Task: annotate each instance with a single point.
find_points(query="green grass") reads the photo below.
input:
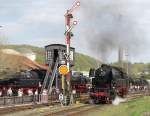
(139, 106)
(135, 107)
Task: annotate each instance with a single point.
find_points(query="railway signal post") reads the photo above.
(63, 70)
(69, 34)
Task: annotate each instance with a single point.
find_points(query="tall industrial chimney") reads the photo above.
(120, 57)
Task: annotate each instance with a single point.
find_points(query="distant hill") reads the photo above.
(85, 62)
(82, 62)
(136, 69)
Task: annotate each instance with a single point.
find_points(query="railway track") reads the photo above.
(17, 108)
(68, 111)
(10, 107)
(136, 95)
(73, 111)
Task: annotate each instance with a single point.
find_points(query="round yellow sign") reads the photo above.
(63, 69)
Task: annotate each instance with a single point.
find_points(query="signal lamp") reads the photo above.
(78, 3)
(75, 22)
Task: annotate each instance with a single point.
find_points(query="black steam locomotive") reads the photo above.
(23, 80)
(33, 80)
(107, 82)
(78, 82)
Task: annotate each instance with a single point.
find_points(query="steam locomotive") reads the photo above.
(107, 82)
(23, 80)
(110, 81)
(33, 80)
(78, 82)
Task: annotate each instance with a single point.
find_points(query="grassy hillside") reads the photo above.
(82, 62)
(39, 51)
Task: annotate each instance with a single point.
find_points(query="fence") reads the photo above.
(15, 100)
(5, 101)
(53, 98)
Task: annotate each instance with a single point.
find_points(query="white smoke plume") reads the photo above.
(112, 24)
(118, 100)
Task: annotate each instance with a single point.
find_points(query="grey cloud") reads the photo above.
(33, 19)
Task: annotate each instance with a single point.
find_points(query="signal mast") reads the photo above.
(68, 35)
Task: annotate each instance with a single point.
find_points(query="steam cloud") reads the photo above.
(111, 25)
(118, 100)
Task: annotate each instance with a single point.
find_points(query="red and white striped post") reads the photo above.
(69, 27)
(67, 19)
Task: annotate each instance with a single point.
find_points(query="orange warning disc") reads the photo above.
(63, 69)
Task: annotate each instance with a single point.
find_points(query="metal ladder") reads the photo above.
(51, 78)
(49, 90)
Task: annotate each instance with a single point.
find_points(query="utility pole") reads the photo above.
(0, 28)
(69, 34)
(127, 64)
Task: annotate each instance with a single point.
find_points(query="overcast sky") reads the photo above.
(41, 22)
